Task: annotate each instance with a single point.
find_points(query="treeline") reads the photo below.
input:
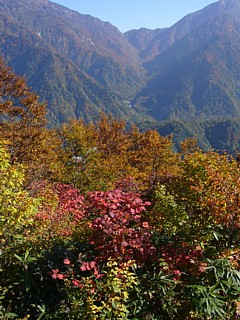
(101, 222)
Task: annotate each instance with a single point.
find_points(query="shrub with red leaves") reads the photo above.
(118, 230)
(62, 208)
(181, 259)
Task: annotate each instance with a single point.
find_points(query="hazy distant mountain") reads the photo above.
(146, 41)
(163, 78)
(151, 43)
(194, 74)
(198, 75)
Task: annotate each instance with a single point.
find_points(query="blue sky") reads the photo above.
(134, 14)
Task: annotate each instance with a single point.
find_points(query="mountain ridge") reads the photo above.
(81, 66)
(85, 40)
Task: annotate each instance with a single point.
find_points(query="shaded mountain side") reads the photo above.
(224, 135)
(160, 40)
(146, 41)
(193, 76)
(199, 76)
(115, 77)
(151, 43)
(94, 46)
(219, 134)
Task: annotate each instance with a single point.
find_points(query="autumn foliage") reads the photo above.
(98, 221)
(130, 237)
(23, 126)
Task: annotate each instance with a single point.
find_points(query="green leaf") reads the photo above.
(10, 315)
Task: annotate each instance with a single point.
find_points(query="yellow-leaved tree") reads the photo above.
(23, 125)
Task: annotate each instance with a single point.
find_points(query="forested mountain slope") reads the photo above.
(80, 65)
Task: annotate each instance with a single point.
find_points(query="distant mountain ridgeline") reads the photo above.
(67, 62)
(183, 80)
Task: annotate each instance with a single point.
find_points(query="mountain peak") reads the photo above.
(231, 6)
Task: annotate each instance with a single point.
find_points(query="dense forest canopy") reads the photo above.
(98, 221)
